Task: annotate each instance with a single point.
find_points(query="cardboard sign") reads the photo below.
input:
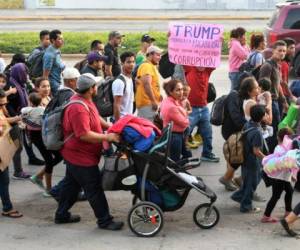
(195, 44)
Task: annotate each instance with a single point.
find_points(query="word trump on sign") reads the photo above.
(195, 44)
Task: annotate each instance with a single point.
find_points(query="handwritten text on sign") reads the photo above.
(195, 44)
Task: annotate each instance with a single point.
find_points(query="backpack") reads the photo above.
(52, 131)
(35, 64)
(247, 67)
(217, 111)
(233, 148)
(79, 65)
(104, 100)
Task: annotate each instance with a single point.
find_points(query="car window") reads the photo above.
(273, 18)
(292, 20)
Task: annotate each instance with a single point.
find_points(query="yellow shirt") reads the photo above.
(4, 125)
(141, 98)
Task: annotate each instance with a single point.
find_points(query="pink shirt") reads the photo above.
(237, 54)
(171, 110)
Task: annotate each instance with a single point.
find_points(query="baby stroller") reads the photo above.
(163, 185)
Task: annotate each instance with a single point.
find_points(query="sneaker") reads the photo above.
(21, 176)
(254, 210)
(210, 158)
(266, 219)
(191, 145)
(46, 194)
(71, 219)
(258, 198)
(228, 184)
(37, 181)
(113, 225)
(237, 181)
(286, 227)
(198, 139)
(36, 162)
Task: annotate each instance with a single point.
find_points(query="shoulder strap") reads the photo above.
(76, 101)
(122, 78)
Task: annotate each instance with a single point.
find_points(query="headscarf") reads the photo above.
(18, 77)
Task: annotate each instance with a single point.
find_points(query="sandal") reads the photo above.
(266, 219)
(12, 214)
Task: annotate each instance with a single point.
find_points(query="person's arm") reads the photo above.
(248, 107)
(48, 62)
(93, 137)
(265, 71)
(108, 70)
(109, 63)
(178, 117)
(11, 91)
(258, 153)
(240, 51)
(117, 107)
(15, 119)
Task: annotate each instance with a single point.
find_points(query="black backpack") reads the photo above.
(35, 64)
(217, 111)
(104, 100)
(248, 68)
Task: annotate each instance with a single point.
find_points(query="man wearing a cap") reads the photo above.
(95, 64)
(83, 127)
(112, 65)
(148, 95)
(146, 42)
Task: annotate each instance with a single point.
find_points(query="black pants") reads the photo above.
(297, 209)
(89, 179)
(278, 186)
(51, 158)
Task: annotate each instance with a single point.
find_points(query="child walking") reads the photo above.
(251, 167)
(280, 180)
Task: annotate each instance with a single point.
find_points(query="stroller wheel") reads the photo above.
(206, 216)
(145, 219)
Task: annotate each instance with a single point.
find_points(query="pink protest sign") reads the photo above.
(195, 44)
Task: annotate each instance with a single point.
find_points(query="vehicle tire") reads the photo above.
(206, 216)
(145, 219)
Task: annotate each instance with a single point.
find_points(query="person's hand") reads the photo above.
(12, 91)
(294, 99)
(154, 106)
(285, 107)
(113, 137)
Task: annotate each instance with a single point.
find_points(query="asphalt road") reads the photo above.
(126, 26)
(235, 231)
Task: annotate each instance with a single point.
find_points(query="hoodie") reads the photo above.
(237, 54)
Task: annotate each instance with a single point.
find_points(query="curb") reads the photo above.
(128, 18)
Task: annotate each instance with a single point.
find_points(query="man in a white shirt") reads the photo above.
(122, 87)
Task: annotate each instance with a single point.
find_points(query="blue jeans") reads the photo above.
(89, 179)
(234, 78)
(251, 175)
(272, 141)
(178, 147)
(4, 192)
(200, 116)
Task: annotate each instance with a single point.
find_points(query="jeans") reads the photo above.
(272, 141)
(251, 177)
(90, 180)
(234, 78)
(178, 147)
(4, 192)
(146, 112)
(200, 116)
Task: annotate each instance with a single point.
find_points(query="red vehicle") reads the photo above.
(285, 22)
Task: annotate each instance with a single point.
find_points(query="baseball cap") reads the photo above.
(114, 33)
(154, 49)
(87, 80)
(70, 73)
(95, 56)
(146, 38)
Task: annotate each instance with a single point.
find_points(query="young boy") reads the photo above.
(7, 210)
(251, 168)
(3, 82)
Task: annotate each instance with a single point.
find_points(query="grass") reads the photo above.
(79, 42)
(11, 4)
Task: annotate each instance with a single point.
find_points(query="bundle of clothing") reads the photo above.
(137, 132)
